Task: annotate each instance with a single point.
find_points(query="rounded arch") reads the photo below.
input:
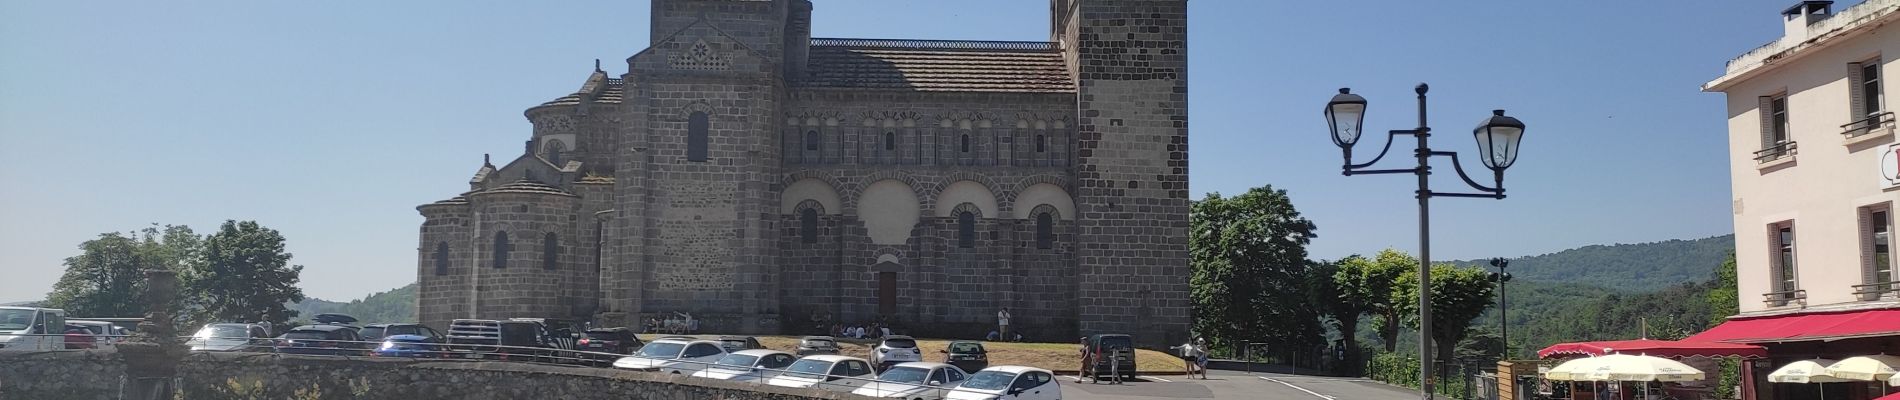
(966, 191)
(1041, 194)
(889, 209)
(810, 189)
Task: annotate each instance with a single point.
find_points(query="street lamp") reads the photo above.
(1504, 331)
(1497, 137)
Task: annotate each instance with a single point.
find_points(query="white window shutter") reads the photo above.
(1765, 109)
(1855, 100)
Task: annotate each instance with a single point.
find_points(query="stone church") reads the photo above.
(757, 178)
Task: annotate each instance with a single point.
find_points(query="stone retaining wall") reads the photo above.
(219, 376)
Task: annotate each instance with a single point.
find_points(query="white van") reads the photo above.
(32, 329)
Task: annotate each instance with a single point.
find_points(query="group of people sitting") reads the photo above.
(873, 330)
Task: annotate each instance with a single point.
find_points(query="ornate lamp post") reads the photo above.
(1497, 139)
(1504, 330)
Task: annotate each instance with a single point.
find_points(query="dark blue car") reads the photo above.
(336, 340)
(415, 346)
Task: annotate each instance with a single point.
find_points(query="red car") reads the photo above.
(77, 337)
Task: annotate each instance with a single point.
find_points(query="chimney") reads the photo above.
(1795, 20)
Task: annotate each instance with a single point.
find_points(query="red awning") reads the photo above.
(1803, 327)
(1659, 348)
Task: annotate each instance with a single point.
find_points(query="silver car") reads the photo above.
(228, 337)
(748, 366)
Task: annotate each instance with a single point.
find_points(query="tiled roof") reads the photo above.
(453, 201)
(937, 65)
(525, 186)
(605, 91)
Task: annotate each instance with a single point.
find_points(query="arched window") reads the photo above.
(1045, 231)
(441, 258)
(550, 251)
(966, 229)
(1042, 143)
(696, 126)
(890, 140)
(553, 150)
(808, 225)
(966, 143)
(501, 249)
(811, 140)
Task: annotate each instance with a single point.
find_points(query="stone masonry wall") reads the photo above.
(442, 297)
(525, 286)
(220, 376)
(1131, 161)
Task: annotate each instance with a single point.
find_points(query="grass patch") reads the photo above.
(1063, 357)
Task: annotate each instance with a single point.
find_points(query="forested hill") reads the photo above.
(1641, 267)
(397, 305)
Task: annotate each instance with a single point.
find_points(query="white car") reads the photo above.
(673, 355)
(228, 337)
(748, 366)
(829, 372)
(895, 349)
(914, 381)
(1008, 383)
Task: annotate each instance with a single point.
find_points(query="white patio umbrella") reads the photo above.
(1572, 370)
(1865, 368)
(1806, 371)
(1624, 367)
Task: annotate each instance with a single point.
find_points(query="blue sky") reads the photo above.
(331, 121)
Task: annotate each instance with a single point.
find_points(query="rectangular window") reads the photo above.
(1870, 93)
(1778, 118)
(1877, 226)
(1783, 259)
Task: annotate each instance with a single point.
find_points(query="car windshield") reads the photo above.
(732, 343)
(900, 343)
(15, 319)
(809, 368)
(307, 335)
(602, 336)
(905, 375)
(372, 332)
(966, 348)
(1117, 342)
(815, 343)
(224, 332)
(988, 380)
(662, 350)
(739, 362)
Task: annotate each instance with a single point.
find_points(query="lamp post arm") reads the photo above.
(1460, 168)
(1382, 151)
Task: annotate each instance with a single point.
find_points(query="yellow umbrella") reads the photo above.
(1804, 371)
(1624, 367)
(1865, 368)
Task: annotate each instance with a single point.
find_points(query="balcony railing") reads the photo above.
(1867, 125)
(1778, 299)
(1775, 152)
(1874, 291)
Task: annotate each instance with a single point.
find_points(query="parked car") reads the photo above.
(748, 366)
(812, 345)
(561, 333)
(104, 334)
(1104, 349)
(78, 338)
(487, 338)
(1008, 382)
(829, 372)
(737, 343)
(968, 355)
(895, 349)
(379, 331)
(413, 346)
(608, 340)
(674, 356)
(915, 381)
(336, 340)
(229, 337)
(27, 328)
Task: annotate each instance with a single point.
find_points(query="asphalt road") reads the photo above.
(1236, 385)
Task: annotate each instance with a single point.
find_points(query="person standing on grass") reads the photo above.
(1002, 322)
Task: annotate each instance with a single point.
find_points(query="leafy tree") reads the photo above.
(107, 278)
(244, 275)
(1458, 296)
(1724, 300)
(1381, 279)
(1246, 253)
(1345, 291)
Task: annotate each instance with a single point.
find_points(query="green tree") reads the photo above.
(243, 274)
(1381, 278)
(1248, 255)
(107, 278)
(1458, 296)
(1345, 291)
(1724, 301)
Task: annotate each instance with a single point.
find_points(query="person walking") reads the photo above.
(1002, 322)
(1194, 356)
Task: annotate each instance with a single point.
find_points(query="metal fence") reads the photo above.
(1472, 379)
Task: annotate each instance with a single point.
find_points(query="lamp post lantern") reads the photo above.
(1504, 330)
(1497, 137)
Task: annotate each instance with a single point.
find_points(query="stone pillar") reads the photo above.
(152, 355)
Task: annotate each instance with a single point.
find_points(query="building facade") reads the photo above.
(764, 181)
(1811, 142)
